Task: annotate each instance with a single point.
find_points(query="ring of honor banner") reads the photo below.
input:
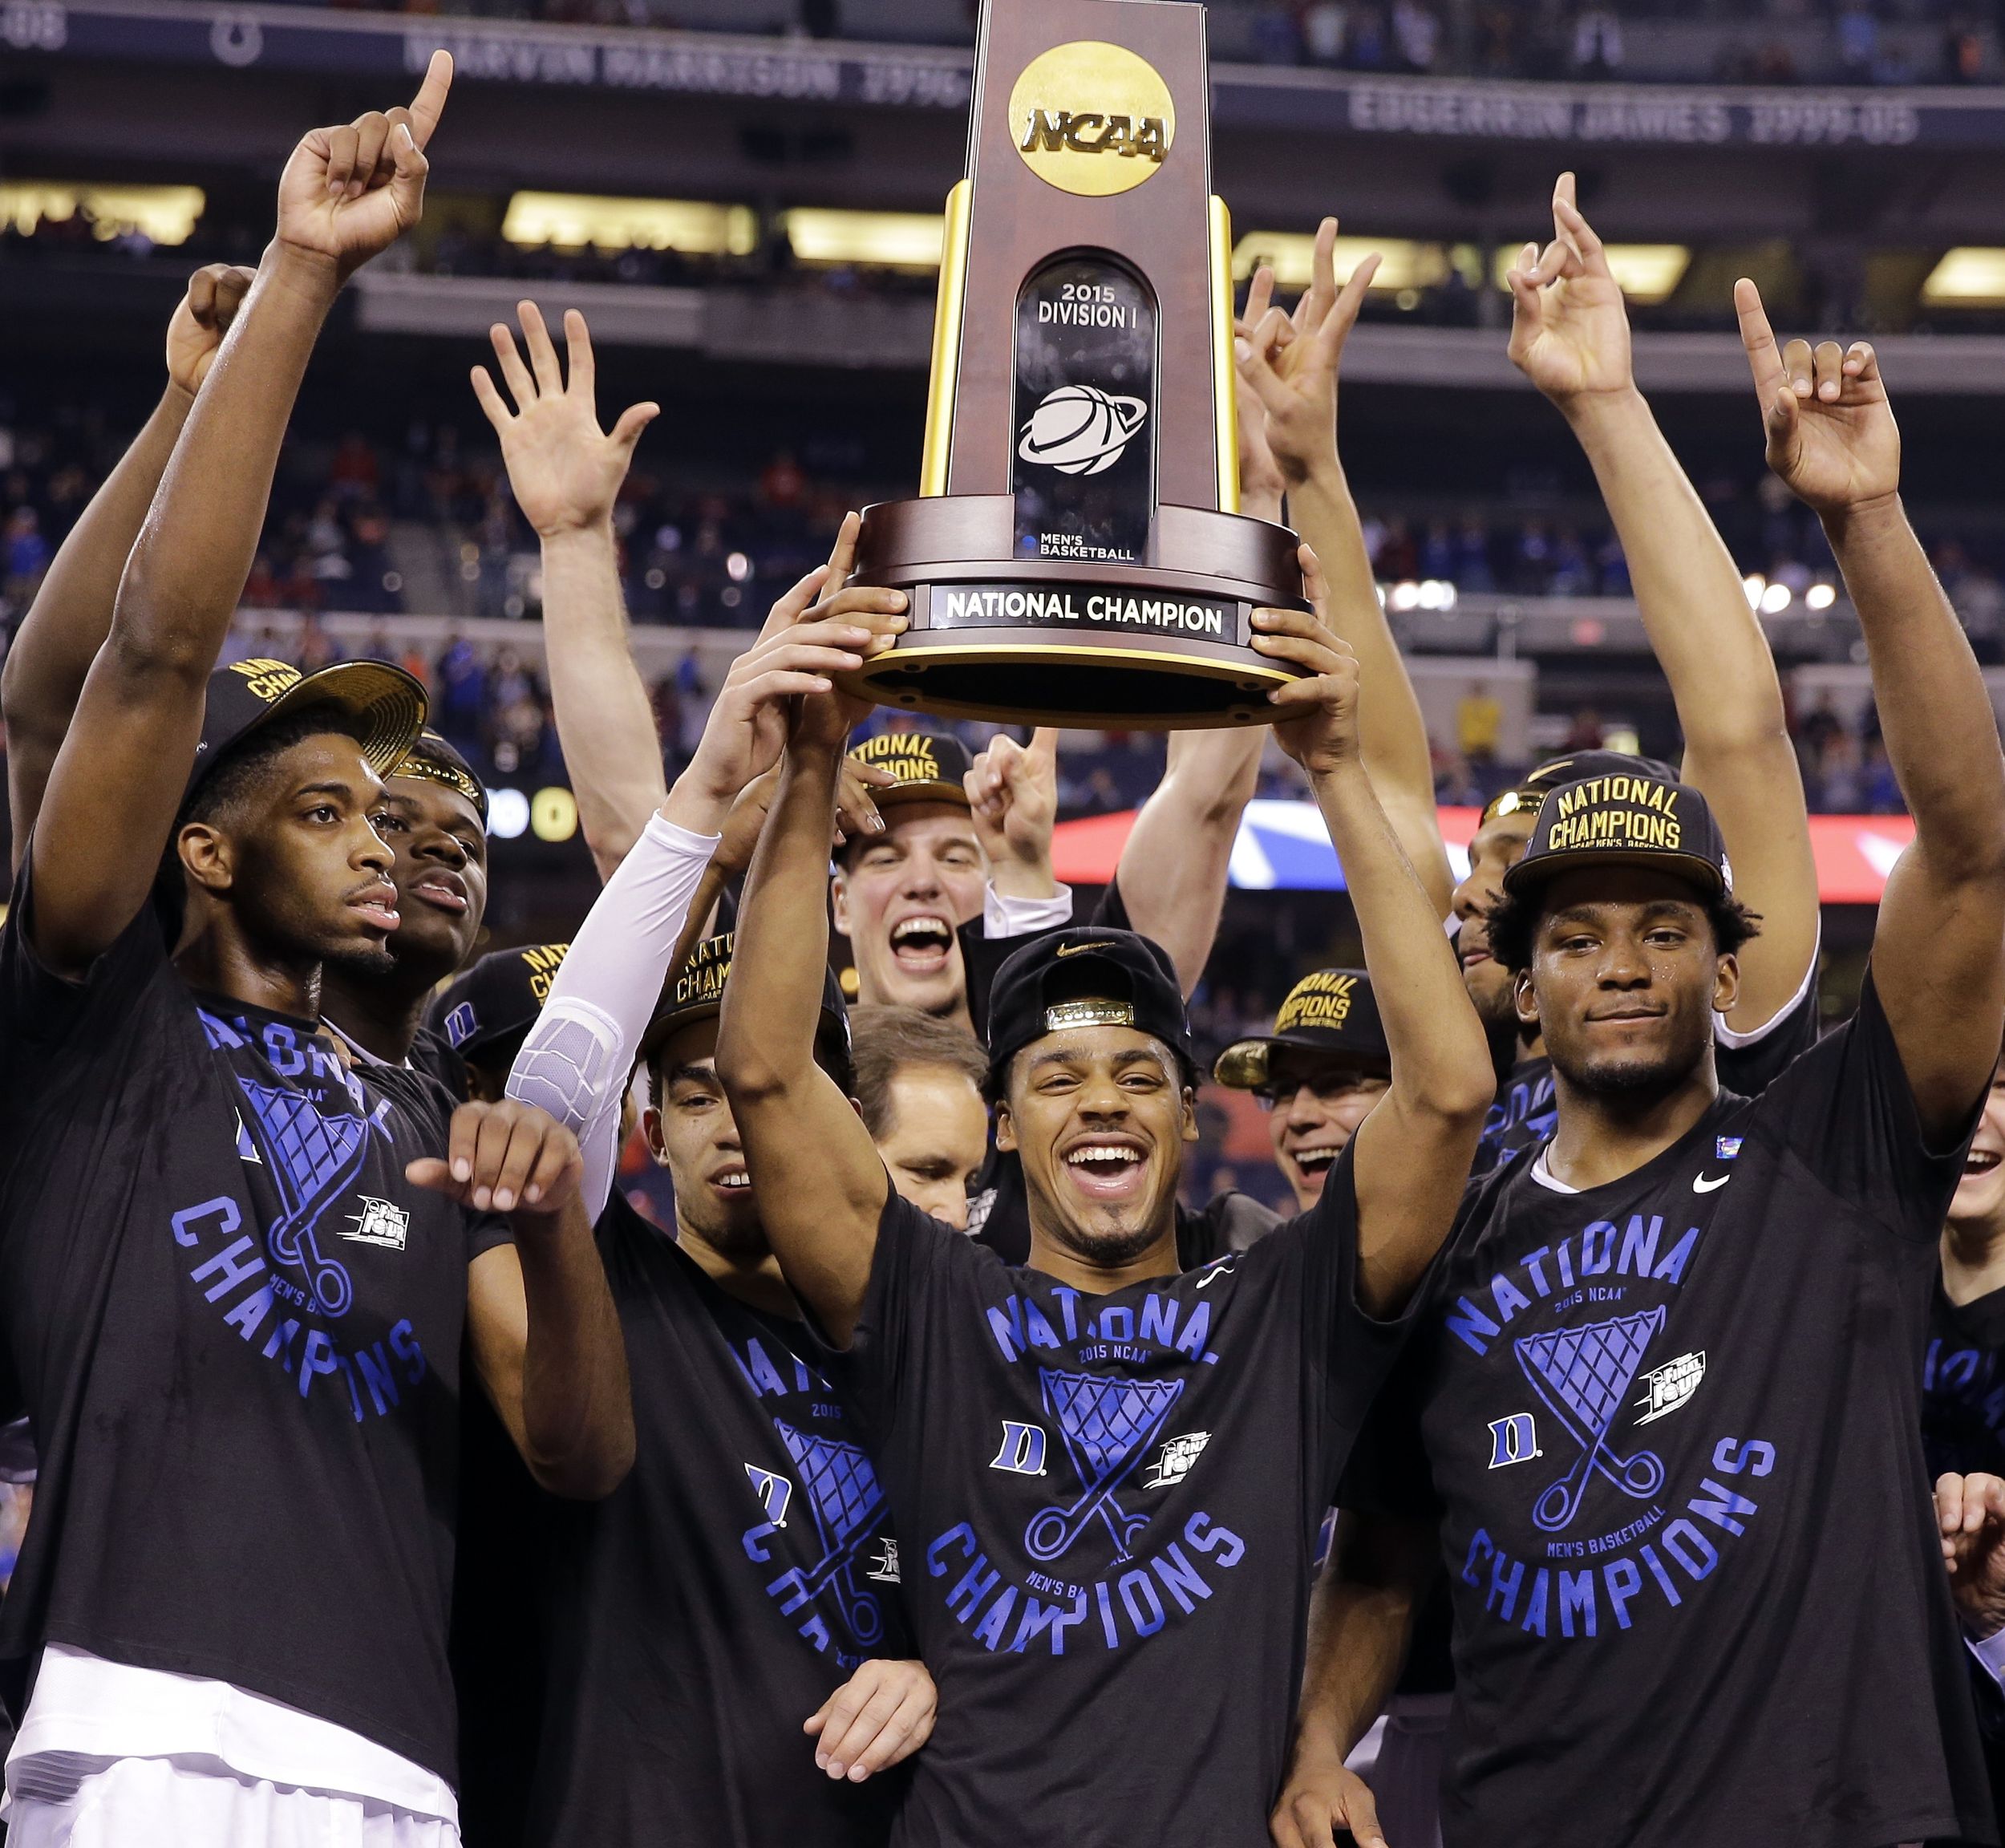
(1076, 555)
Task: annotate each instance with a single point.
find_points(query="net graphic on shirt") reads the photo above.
(845, 1499)
(1106, 1425)
(1583, 1375)
(314, 1159)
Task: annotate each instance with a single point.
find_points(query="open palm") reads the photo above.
(1830, 430)
(565, 471)
(1569, 329)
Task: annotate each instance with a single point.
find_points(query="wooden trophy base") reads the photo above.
(1163, 643)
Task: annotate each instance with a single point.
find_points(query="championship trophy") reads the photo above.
(1076, 555)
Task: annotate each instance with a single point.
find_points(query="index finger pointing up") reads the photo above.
(429, 104)
(1758, 339)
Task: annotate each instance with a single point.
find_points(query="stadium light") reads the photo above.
(161, 214)
(507, 814)
(1820, 596)
(1754, 584)
(1648, 273)
(1407, 264)
(1775, 599)
(876, 240)
(572, 221)
(1968, 277)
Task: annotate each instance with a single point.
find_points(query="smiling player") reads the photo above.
(1317, 1074)
(1106, 1474)
(1664, 1385)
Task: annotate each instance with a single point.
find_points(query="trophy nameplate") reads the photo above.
(1076, 555)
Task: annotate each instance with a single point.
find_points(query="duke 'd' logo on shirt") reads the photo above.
(1582, 1529)
(1099, 1560)
(811, 1572)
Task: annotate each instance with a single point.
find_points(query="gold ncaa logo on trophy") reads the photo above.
(1076, 555)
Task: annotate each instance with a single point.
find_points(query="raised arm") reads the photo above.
(566, 474)
(579, 1056)
(1413, 1150)
(109, 807)
(1570, 336)
(1936, 948)
(1361, 1617)
(1012, 793)
(821, 1185)
(541, 1323)
(1289, 364)
(1175, 863)
(71, 613)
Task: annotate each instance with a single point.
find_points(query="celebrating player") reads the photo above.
(235, 1274)
(749, 1551)
(1318, 1074)
(1962, 1412)
(1664, 1377)
(1570, 336)
(1106, 1475)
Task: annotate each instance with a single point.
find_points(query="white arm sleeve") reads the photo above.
(1002, 916)
(579, 1056)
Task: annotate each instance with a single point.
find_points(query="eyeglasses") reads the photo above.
(1327, 1089)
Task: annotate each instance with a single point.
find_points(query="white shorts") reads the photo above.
(166, 1803)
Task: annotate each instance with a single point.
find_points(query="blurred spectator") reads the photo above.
(1416, 34)
(1326, 31)
(1478, 723)
(459, 695)
(27, 555)
(1858, 41)
(1597, 41)
(1586, 734)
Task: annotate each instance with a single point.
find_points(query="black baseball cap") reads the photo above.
(1624, 819)
(497, 999)
(1526, 794)
(929, 766)
(1329, 1014)
(1086, 977)
(434, 759)
(386, 705)
(696, 992)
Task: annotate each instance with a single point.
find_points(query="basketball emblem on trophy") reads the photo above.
(1080, 429)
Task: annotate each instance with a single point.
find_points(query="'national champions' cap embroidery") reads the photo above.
(929, 766)
(383, 703)
(1625, 819)
(1329, 1014)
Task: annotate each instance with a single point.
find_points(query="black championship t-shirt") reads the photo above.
(1522, 1117)
(1526, 1110)
(1963, 1431)
(1963, 1385)
(1108, 1506)
(237, 1331)
(701, 1612)
(1674, 1427)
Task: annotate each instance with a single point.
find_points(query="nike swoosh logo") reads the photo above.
(1701, 1184)
(1075, 949)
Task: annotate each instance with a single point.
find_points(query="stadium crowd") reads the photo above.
(1587, 1430)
